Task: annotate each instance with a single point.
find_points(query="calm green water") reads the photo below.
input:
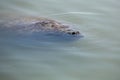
(94, 57)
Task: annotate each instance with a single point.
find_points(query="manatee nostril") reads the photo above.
(73, 33)
(77, 32)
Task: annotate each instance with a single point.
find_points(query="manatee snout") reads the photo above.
(73, 32)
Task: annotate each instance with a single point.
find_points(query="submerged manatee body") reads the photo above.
(40, 28)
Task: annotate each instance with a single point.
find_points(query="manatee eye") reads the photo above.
(52, 25)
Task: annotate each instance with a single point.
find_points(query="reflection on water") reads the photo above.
(94, 57)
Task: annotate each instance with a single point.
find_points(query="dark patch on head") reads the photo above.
(43, 23)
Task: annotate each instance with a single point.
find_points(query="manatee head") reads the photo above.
(43, 29)
(57, 30)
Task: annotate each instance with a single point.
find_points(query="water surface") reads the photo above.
(94, 57)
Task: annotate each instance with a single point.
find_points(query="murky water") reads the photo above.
(94, 57)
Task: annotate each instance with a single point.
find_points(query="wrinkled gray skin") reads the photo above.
(38, 26)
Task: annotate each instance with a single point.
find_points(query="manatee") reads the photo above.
(36, 27)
